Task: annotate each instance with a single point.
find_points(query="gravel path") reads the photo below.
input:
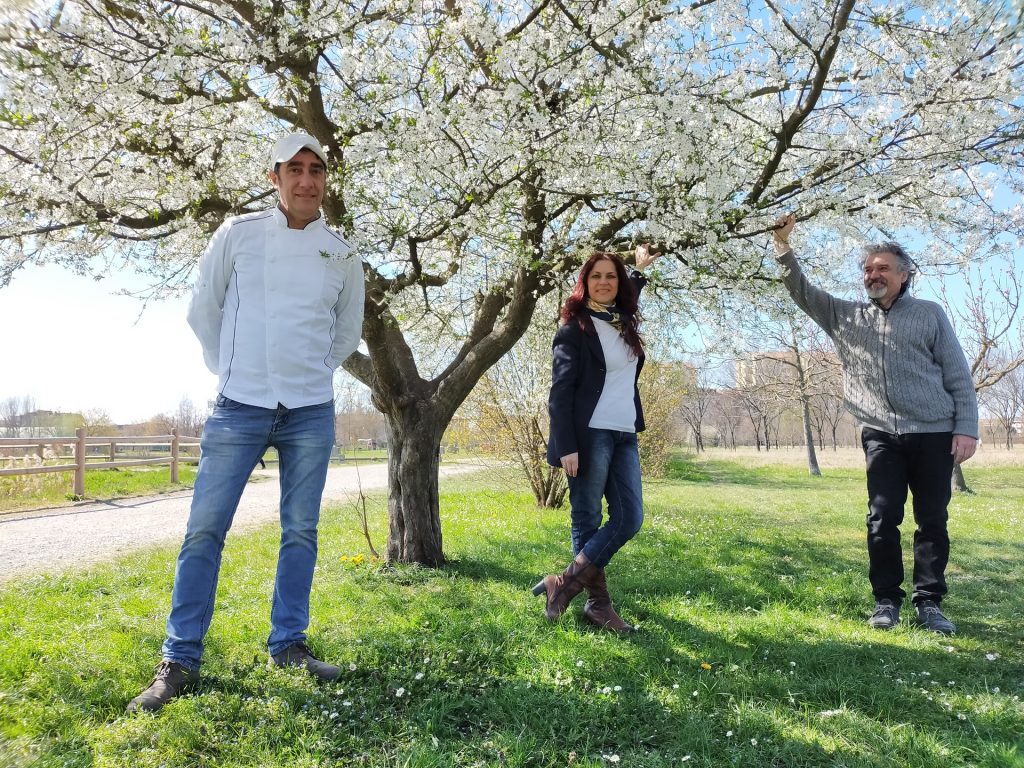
(76, 536)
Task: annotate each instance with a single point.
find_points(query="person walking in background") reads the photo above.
(907, 382)
(596, 414)
(277, 306)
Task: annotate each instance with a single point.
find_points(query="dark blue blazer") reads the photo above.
(577, 379)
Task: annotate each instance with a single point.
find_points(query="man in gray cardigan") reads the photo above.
(906, 380)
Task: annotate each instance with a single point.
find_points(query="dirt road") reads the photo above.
(76, 536)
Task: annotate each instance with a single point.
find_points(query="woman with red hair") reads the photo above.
(595, 416)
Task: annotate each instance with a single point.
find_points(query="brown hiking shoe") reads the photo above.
(298, 655)
(171, 679)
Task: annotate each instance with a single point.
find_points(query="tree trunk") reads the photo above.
(414, 443)
(812, 457)
(958, 483)
(418, 410)
(556, 488)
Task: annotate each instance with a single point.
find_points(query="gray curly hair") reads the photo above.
(903, 260)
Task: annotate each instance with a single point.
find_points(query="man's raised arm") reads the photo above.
(819, 305)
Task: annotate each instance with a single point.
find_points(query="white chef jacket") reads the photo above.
(277, 309)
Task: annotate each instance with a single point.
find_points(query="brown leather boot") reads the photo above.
(562, 588)
(599, 610)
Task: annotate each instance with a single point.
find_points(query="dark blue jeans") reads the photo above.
(923, 464)
(612, 472)
(234, 439)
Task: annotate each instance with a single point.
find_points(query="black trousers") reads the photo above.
(923, 464)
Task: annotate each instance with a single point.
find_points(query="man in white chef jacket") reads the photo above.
(277, 307)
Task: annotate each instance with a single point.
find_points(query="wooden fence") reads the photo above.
(82, 460)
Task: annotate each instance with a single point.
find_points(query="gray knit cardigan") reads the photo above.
(903, 368)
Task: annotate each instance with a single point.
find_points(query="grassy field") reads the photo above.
(747, 582)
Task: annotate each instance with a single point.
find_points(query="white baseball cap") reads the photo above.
(290, 144)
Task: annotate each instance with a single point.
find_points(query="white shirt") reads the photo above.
(615, 407)
(277, 309)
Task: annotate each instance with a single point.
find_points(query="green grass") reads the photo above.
(53, 489)
(748, 585)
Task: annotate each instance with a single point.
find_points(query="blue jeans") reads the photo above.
(612, 472)
(234, 439)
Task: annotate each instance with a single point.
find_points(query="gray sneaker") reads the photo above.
(171, 679)
(298, 655)
(886, 615)
(931, 617)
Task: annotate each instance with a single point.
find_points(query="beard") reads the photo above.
(876, 290)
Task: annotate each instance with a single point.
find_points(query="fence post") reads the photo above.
(80, 462)
(113, 450)
(174, 455)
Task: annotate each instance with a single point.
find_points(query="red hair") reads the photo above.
(575, 307)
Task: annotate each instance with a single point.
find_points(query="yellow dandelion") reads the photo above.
(705, 665)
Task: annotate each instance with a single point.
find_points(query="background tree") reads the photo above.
(763, 411)
(663, 387)
(784, 356)
(18, 417)
(510, 404)
(97, 423)
(727, 415)
(695, 403)
(357, 424)
(827, 407)
(10, 416)
(477, 152)
(986, 315)
(1004, 400)
(187, 419)
(785, 375)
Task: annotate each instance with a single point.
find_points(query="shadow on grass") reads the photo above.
(753, 567)
(501, 680)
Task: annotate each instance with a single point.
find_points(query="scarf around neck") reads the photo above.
(607, 312)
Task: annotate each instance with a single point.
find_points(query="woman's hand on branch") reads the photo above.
(645, 255)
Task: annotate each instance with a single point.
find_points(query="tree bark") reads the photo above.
(812, 457)
(418, 410)
(957, 482)
(414, 444)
